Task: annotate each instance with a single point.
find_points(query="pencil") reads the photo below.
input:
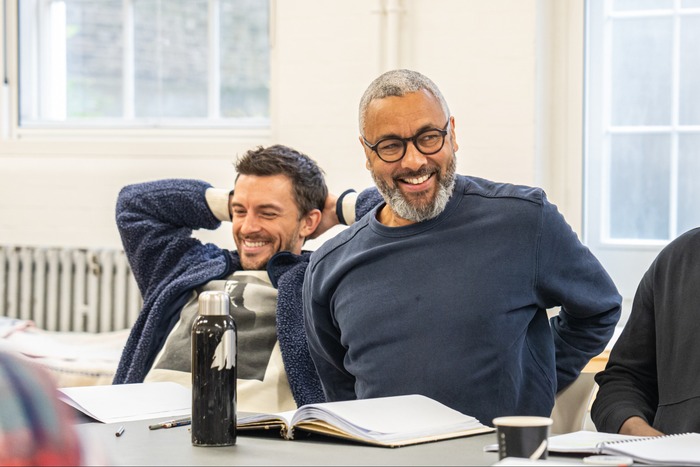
(171, 423)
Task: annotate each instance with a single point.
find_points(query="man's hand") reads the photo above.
(329, 218)
(230, 200)
(637, 426)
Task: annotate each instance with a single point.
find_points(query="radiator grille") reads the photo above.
(68, 289)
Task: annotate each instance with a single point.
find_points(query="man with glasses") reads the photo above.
(443, 289)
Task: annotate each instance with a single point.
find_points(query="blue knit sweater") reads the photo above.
(155, 221)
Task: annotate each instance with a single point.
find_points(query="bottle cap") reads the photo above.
(214, 303)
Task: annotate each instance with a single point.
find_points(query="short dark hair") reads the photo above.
(308, 181)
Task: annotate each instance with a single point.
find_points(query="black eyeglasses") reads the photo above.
(427, 142)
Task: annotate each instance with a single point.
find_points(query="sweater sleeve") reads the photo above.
(570, 277)
(627, 386)
(351, 206)
(217, 200)
(301, 373)
(367, 200)
(155, 222)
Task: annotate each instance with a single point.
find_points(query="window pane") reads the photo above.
(143, 62)
(690, 4)
(78, 74)
(245, 67)
(93, 58)
(690, 71)
(641, 71)
(688, 186)
(641, 4)
(639, 186)
(170, 58)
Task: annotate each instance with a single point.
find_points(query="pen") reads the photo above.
(171, 423)
(119, 432)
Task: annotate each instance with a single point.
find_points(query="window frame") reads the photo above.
(625, 259)
(171, 136)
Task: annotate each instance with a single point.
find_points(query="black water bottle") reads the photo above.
(214, 359)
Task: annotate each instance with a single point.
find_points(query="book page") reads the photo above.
(390, 418)
(681, 449)
(584, 441)
(259, 419)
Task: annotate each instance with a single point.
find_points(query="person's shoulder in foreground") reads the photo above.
(649, 386)
(442, 290)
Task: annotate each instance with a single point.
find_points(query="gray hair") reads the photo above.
(398, 83)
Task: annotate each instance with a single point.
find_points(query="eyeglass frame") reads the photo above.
(413, 139)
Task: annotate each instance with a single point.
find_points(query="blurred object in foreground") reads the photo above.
(35, 427)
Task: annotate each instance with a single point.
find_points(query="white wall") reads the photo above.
(502, 64)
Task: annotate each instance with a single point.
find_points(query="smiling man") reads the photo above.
(279, 200)
(443, 289)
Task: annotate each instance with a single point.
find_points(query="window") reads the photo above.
(143, 63)
(642, 130)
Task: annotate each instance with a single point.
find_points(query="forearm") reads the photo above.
(637, 426)
(155, 221)
(628, 387)
(167, 204)
(578, 340)
(620, 400)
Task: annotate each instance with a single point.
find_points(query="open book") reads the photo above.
(680, 449)
(386, 421)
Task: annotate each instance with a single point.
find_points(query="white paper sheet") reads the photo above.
(126, 402)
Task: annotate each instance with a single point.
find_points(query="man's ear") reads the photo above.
(453, 137)
(309, 223)
(368, 165)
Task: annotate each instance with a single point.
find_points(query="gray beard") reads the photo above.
(419, 213)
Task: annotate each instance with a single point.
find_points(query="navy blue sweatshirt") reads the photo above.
(455, 308)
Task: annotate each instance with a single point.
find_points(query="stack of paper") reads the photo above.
(126, 402)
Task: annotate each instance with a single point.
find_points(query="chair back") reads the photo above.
(571, 405)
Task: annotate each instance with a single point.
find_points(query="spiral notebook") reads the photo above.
(680, 449)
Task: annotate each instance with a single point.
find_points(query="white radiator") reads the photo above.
(64, 289)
